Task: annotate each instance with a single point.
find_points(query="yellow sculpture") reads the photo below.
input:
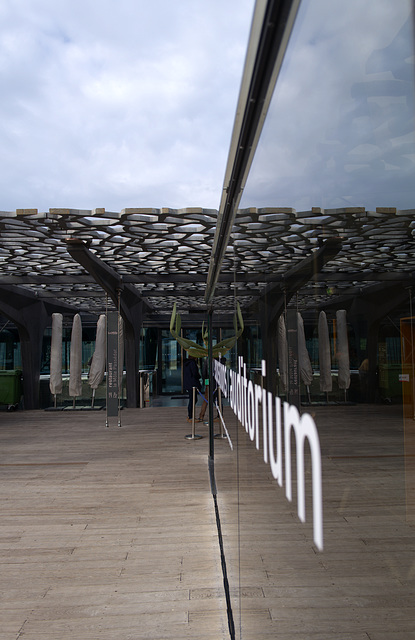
(198, 351)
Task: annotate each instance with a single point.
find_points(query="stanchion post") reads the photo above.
(193, 412)
(210, 356)
(193, 435)
(221, 434)
(221, 410)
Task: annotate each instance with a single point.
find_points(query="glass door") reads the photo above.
(171, 364)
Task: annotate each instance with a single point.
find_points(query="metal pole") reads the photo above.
(107, 424)
(412, 354)
(193, 435)
(221, 433)
(193, 412)
(210, 362)
(221, 410)
(119, 386)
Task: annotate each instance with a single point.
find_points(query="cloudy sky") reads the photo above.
(130, 103)
(118, 103)
(340, 129)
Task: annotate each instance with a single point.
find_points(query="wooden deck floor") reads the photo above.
(110, 533)
(362, 585)
(107, 532)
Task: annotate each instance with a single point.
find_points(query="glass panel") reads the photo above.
(148, 348)
(171, 364)
(340, 131)
(339, 134)
(10, 357)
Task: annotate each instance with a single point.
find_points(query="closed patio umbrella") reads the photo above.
(97, 369)
(75, 362)
(283, 352)
(343, 358)
(324, 354)
(55, 381)
(306, 370)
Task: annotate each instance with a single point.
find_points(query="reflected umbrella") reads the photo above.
(97, 369)
(75, 362)
(55, 381)
(283, 352)
(343, 358)
(306, 370)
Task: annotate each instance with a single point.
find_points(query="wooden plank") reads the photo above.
(111, 533)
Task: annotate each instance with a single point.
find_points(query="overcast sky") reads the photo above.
(118, 103)
(130, 103)
(340, 129)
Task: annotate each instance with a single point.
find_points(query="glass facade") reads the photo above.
(10, 357)
(314, 460)
(337, 147)
(339, 130)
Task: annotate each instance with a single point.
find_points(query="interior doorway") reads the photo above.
(171, 364)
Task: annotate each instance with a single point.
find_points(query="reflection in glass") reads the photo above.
(340, 129)
(339, 135)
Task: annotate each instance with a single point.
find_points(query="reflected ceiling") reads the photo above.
(165, 253)
(196, 256)
(339, 130)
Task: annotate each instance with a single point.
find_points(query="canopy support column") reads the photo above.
(131, 309)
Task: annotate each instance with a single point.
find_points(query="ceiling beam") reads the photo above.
(349, 276)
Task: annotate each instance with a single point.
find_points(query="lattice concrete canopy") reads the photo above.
(165, 252)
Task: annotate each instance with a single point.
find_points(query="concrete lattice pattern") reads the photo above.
(165, 252)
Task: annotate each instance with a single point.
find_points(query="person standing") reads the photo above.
(191, 378)
(205, 379)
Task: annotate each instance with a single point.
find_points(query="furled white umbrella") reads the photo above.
(75, 362)
(324, 354)
(55, 381)
(283, 351)
(343, 359)
(306, 370)
(97, 368)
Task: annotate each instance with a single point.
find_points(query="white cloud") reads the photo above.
(118, 104)
(131, 103)
(341, 124)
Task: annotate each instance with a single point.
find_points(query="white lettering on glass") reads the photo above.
(244, 398)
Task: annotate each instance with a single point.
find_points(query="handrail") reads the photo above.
(271, 28)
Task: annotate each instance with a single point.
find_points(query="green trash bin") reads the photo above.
(10, 387)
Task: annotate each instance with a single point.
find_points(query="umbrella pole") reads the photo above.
(73, 403)
(308, 393)
(55, 401)
(93, 398)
